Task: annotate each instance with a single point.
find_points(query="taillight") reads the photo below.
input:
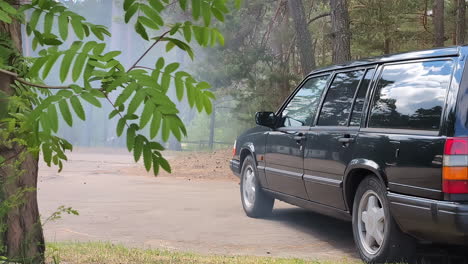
(234, 148)
(455, 170)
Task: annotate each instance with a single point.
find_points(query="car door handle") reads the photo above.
(346, 140)
(299, 137)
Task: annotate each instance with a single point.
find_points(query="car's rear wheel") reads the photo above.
(255, 201)
(377, 236)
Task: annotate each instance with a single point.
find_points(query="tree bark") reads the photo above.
(341, 44)
(304, 36)
(21, 238)
(438, 21)
(460, 22)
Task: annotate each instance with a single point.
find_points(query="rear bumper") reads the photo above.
(433, 220)
(235, 167)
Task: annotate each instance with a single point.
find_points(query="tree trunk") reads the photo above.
(460, 22)
(438, 21)
(341, 35)
(212, 128)
(21, 237)
(303, 36)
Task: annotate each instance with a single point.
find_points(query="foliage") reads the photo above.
(33, 111)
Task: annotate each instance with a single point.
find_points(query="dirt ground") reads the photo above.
(195, 209)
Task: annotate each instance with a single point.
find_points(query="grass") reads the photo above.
(107, 253)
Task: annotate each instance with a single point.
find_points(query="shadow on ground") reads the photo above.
(338, 234)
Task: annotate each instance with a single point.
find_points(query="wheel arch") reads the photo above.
(247, 149)
(355, 172)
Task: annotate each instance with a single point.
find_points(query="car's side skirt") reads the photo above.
(316, 207)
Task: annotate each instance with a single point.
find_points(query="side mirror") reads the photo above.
(267, 119)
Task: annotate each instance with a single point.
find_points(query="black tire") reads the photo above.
(262, 204)
(395, 245)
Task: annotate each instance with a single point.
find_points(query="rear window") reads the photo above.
(411, 95)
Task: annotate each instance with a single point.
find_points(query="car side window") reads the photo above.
(356, 114)
(301, 110)
(411, 95)
(339, 99)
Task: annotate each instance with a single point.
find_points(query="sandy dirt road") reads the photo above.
(177, 213)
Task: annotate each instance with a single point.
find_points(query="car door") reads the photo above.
(330, 143)
(284, 157)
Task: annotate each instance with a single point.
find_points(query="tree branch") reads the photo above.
(23, 81)
(317, 17)
(148, 50)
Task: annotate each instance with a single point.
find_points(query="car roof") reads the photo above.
(412, 55)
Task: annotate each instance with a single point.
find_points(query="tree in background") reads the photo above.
(303, 36)
(30, 110)
(460, 21)
(438, 20)
(340, 35)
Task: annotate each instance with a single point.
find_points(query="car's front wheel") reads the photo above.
(377, 236)
(255, 201)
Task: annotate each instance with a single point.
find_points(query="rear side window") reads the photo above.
(411, 96)
(360, 98)
(339, 99)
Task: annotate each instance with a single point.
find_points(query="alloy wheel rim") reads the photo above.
(248, 188)
(371, 222)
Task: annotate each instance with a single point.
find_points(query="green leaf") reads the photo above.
(165, 81)
(52, 117)
(164, 164)
(171, 67)
(91, 99)
(217, 13)
(147, 157)
(207, 104)
(48, 22)
(155, 165)
(131, 11)
(187, 29)
(148, 22)
(166, 128)
(183, 4)
(179, 84)
(160, 63)
(36, 14)
(47, 153)
(138, 147)
(7, 8)
(120, 126)
(77, 27)
(146, 114)
(127, 4)
(126, 93)
(79, 66)
(66, 64)
(110, 55)
(5, 17)
(156, 145)
(156, 4)
(238, 3)
(206, 12)
(155, 124)
(140, 29)
(131, 137)
(152, 14)
(2, 159)
(196, 8)
(50, 63)
(99, 48)
(63, 26)
(76, 104)
(65, 110)
(136, 101)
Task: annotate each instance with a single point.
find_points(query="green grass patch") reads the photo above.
(107, 253)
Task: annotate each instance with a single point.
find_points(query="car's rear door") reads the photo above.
(284, 158)
(330, 142)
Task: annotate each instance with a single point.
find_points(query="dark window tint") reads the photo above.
(360, 98)
(301, 110)
(411, 96)
(340, 95)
